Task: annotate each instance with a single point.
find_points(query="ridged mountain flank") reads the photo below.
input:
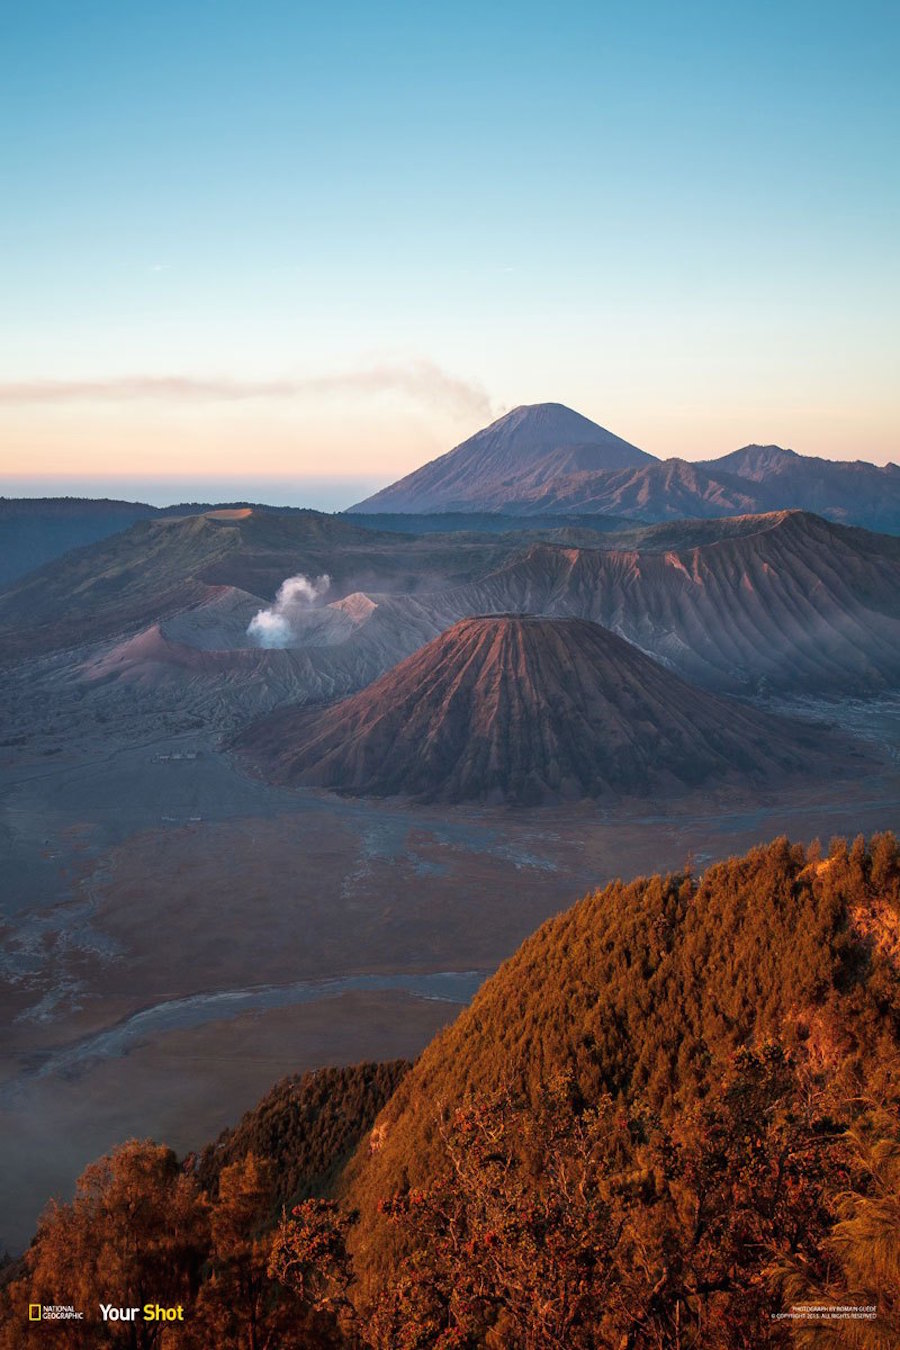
(782, 602)
(522, 452)
(545, 458)
(524, 710)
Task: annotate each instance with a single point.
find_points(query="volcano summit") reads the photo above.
(518, 457)
(526, 710)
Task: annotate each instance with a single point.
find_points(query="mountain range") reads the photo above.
(541, 461)
(674, 1111)
(784, 603)
(164, 623)
(544, 458)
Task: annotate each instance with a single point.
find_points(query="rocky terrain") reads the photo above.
(786, 601)
(528, 710)
(785, 604)
(165, 565)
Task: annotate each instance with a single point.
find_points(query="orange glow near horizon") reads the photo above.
(377, 439)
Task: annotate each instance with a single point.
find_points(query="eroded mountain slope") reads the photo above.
(526, 710)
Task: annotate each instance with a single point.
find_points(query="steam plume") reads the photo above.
(275, 626)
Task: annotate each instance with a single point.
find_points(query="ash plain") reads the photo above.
(176, 935)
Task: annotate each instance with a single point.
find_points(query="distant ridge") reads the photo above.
(525, 710)
(757, 462)
(785, 601)
(546, 459)
(36, 530)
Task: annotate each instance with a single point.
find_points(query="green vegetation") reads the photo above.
(307, 1127)
(643, 997)
(669, 1120)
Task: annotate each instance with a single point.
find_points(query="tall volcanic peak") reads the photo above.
(547, 459)
(534, 428)
(524, 710)
(484, 472)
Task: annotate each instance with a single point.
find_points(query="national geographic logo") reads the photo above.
(53, 1312)
(64, 1312)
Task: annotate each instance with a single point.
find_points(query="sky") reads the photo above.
(295, 250)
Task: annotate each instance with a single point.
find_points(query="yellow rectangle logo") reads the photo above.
(34, 1312)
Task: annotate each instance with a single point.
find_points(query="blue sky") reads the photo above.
(281, 240)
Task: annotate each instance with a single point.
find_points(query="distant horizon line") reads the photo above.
(338, 478)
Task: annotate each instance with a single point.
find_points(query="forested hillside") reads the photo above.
(672, 1119)
(306, 1126)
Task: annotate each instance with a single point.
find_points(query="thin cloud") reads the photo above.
(421, 381)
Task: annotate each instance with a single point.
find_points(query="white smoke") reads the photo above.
(276, 626)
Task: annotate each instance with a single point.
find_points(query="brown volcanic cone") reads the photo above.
(526, 709)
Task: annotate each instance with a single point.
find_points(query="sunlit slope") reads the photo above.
(645, 990)
(307, 1125)
(795, 604)
(545, 457)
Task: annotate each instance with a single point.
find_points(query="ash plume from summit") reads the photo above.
(274, 627)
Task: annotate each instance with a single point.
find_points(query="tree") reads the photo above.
(137, 1232)
(512, 1245)
(239, 1305)
(862, 1248)
(578, 1225)
(308, 1255)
